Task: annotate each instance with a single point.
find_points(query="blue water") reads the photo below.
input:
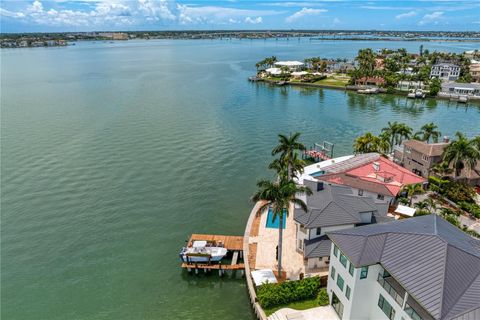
(274, 223)
(317, 174)
(112, 154)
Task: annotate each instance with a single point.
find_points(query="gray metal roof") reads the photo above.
(438, 264)
(334, 206)
(318, 247)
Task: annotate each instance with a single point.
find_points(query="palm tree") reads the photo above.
(366, 61)
(412, 190)
(297, 166)
(278, 196)
(442, 169)
(430, 130)
(392, 131)
(287, 148)
(462, 153)
(366, 143)
(403, 132)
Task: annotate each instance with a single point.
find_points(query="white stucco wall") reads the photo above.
(363, 302)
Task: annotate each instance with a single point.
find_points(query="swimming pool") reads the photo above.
(317, 174)
(274, 223)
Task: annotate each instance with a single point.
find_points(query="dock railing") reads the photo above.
(246, 254)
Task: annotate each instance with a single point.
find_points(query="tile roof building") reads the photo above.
(370, 174)
(415, 268)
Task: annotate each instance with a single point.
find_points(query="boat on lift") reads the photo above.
(202, 251)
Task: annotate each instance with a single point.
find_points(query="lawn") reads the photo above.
(297, 305)
(334, 81)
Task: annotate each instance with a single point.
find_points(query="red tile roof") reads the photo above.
(389, 179)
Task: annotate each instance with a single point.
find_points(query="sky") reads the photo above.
(130, 15)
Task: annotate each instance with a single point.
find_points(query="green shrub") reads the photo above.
(472, 208)
(273, 294)
(323, 299)
(437, 181)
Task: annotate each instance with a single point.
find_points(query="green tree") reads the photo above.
(412, 190)
(278, 196)
(462, 153)
(430, 131)
(366, 61)
(287, 148)
(435, 86)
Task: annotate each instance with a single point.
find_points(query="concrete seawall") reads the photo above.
(246, 251)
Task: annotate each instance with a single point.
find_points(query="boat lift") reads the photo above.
(320, 151)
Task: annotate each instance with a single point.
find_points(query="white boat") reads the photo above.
(202, 251)
(411, 95)
(419, 94)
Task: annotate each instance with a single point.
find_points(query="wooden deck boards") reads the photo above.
(232, 243)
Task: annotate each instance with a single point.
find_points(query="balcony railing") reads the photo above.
(391, 291)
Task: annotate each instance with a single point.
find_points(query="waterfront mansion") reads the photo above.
(416, 268)
(331, 207)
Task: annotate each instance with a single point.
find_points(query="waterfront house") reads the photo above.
(419, 156)
(445, 71)
(420, 268)
(410, 85)
(273, 71)
(370, 81)
(291, 65)
(370, 175)
(330, 208)
(475, 72)
(460, 89)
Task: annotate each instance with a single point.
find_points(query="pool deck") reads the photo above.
(266, 242)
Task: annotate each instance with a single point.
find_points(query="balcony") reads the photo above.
(393, 288)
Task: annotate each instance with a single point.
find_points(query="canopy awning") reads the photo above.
(405, 211)
(263, 276)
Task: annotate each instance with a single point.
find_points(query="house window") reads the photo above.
(335, 251)
(319, 231)
(364, 272)
(351, 268)
(340, 282)
(380, 196)
(360, 192)
(386, 307)
(412, 313)
(332, 274)
(343, 260)
(347, 292)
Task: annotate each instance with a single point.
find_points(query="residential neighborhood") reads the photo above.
(390, 234)
(417, 75)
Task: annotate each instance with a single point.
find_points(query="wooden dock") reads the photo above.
(233, 244)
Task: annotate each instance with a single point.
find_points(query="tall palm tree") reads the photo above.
(404, 132)
(366, 143)
(278, 195)
(462, 153)
(287, 148)
(392, 131)
(412, 190)
(430, 130)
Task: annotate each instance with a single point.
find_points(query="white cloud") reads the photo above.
(303, 13)
(257, 20)
(406, 15)
(214, 14)
(118, 13)
(431, 18)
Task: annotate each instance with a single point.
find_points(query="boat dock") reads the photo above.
(234, 245)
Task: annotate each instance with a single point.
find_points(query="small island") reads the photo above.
(416, 75)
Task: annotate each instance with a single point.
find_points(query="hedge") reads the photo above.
(274, 294)
(323, 299)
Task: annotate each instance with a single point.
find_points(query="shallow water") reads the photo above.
(113, 153)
